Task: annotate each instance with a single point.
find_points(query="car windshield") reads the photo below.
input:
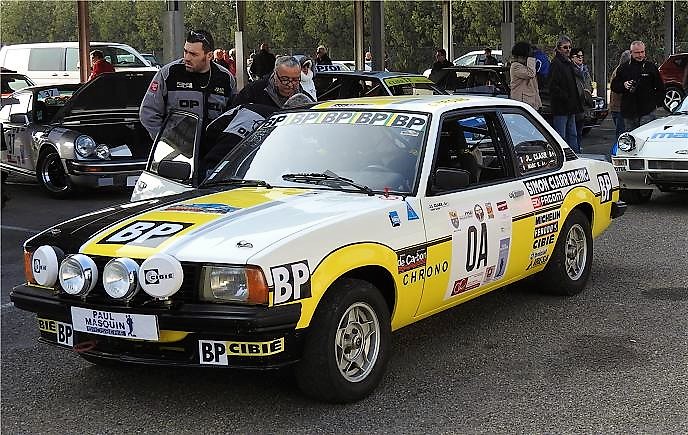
(359, 151)
(412, 86)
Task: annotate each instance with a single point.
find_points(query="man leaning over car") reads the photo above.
(194, 83)
(276, 88)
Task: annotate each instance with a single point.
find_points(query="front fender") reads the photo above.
(344, 260)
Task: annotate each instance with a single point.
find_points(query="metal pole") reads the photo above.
(600, 50)
(240, 45)
(377, 34)
(358, 34)
(447, 37)
(84, 40)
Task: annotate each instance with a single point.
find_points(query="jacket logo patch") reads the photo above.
(184, 85)
(153, 86)
(145, 233)
(292, 282)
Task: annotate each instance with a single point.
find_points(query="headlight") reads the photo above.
(45, 263)
(120, 278)
(85, 145)
(161, 275)
(233, 284)
(626, 142)
(78, 274)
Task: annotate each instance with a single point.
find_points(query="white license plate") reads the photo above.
(131, 180)
(123, 325)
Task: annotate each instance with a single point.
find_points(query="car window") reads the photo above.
(176, 141)
(120, 57)
(473, 143)
(381, 150)
(72, 59)
(16, 59)
(47, 59)
(534, 153)
(467, 60)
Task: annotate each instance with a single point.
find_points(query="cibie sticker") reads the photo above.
(411, 121)
(216, 352)
(64, 334)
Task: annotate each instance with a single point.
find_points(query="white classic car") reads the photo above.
(318, 235)
(654, 155)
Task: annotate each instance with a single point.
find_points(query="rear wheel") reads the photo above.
(636, 196)
(568, 269)
(51, 175)
(347, 346)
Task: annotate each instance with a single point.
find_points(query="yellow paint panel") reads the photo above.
(394, 81)
(368, 101)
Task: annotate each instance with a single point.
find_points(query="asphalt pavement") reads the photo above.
(613, 359)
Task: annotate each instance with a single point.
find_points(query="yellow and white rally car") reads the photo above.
(318, 235)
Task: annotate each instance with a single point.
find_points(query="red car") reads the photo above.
(673, 73)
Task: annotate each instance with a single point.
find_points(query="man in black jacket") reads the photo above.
(641, 87)
(276, 88)
(565, 101)
(263, 61)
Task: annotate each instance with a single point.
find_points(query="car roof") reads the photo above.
(434, 104)
(66, 44)
(374, 74)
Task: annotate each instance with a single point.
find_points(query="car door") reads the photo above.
(47, 66)
(471, 226)
(16, 119)
(173, 160)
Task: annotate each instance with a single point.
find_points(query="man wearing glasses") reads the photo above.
(194, 83)
(640, 86)
(274, 89)
(565, 101)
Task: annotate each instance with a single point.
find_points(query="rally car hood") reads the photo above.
(122, 90)
(223, 227)
(662, 137)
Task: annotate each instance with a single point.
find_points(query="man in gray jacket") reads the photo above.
(194, 83)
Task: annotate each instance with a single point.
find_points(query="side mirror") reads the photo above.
(451, 179)
(19, 118)
(180, 171)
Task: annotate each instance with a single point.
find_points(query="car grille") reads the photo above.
(187, 292)
(676, 165)
(637, 164)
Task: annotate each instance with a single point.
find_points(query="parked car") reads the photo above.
(333, 85)
(494, 81)
(152, 59)
(654, 155)
(73, 135)
(472, 58)
(673, 73)
(320, 234)
(58, 62)
(12, 81)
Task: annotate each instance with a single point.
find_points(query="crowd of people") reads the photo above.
(203, 81)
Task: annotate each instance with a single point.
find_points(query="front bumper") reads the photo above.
(618, 209)
(640, 176)
(186, 330)
(91, 174)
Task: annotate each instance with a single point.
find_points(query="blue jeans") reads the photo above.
(565, 125)
(619, 124)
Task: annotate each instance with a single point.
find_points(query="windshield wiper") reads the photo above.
(236, 181)
(325, 178)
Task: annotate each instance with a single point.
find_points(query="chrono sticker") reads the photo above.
(149, 234)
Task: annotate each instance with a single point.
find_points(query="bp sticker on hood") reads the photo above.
(411, 121)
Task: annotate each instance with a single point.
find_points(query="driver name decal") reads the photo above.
(557, 181)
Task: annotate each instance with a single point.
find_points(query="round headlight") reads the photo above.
(120, 278)
(626, 142)
(103, 152)
(78, 274)
(161, 275)
(85, 145)
(45, 263)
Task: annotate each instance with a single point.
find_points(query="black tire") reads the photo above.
(332, 337)
(635, 196)
(672, 97)
(51, 175)
(568, 269)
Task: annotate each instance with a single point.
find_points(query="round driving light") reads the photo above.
(120, 278)
(45, 263)
(626, 142)
(103, 152)
(78, 274)
(84, 145)
(161, 275)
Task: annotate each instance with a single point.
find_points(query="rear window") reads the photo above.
(46, 59)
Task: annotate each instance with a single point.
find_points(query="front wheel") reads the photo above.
(569, 267)
(51, 175)
(672, 98)
(347, 346)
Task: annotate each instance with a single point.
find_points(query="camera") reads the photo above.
(634, 86)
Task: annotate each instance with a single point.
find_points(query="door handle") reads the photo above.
(516, 194)
(53, 75)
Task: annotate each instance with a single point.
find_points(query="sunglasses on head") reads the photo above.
(198, 37)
